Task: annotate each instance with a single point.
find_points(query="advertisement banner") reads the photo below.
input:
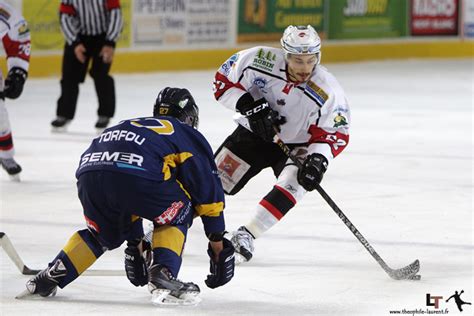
(42, 17)
(469, 18)
(183, 23)
(350, 19)
(434, 17)
(262, 20)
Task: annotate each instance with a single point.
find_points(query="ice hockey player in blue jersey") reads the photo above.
(159, 168)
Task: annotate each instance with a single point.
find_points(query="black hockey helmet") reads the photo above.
(178, 103)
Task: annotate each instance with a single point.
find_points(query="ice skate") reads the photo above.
(60, 124)
(102, 123)
(11, 167)
(46, 282)
(167, 290)
(242, 240)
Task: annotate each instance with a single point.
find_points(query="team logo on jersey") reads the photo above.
(340, 120)
(229, 64)
(264, 60)
(23, 29)
(281, 102)
(260, 82)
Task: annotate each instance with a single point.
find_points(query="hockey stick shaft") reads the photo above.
(25, 270)
(411, 269)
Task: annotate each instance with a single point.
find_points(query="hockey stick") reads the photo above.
(25, 270)
(406, 273)
(13, 255)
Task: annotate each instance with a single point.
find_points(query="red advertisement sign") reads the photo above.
(434, 17)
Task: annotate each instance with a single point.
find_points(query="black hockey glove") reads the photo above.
(135, 263)
(260, 116)
(14, 82)
(223, 270)
(311, 172)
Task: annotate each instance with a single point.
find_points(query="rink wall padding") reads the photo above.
(155, 61)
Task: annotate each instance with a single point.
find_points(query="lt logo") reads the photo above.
(433, 300)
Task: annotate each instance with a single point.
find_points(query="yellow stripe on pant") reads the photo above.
(79, 253)
(169, 237)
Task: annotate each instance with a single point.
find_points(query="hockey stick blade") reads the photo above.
(9, 249)
(14, 256)
(406, 273)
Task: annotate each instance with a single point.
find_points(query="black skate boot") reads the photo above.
(11, 167)
(168, 290)
(46, 282)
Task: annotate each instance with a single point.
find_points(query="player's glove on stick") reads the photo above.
(135, 263)
(312, 171)
(260, 116)
(14, 82)
(222, 271)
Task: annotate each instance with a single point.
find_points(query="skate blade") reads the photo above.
(59, 130)
(28, 295)
(23, 295)
(239, 259)
(164, 298)
(15, 177)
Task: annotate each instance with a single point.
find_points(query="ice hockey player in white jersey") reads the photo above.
(285, 92)
(16, 43)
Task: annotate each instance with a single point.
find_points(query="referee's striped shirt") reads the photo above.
(91, 17)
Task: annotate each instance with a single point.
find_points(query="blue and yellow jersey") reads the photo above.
(162, 149)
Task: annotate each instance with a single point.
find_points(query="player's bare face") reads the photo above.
(300, 67)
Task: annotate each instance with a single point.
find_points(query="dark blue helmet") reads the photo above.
(178, 103)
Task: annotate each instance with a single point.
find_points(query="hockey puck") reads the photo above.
(415, 277)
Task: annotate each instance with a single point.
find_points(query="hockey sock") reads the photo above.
(168, 244)
(270, 210)
(6, 146)
(79, 253)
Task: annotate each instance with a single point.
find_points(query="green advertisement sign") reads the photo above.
(350, 19)
(42, 17)
(265, 20)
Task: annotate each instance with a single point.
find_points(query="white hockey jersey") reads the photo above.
(15, 37)
(317, 112)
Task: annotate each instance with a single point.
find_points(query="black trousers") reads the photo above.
(74, 73)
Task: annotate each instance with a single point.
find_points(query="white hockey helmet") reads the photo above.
(301, 40)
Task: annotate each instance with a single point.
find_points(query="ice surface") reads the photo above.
(405, 181)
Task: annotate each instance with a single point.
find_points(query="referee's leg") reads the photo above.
(73, 73)
(104, 86)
